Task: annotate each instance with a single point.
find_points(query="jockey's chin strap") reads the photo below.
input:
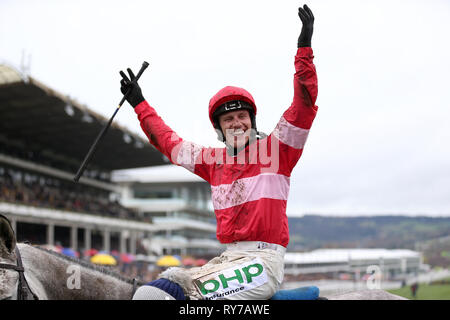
(23, 289)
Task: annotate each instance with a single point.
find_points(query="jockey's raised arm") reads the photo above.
(249, 179)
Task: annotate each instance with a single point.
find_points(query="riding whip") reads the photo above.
(105, 128)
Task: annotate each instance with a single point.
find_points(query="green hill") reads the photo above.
(391, 232)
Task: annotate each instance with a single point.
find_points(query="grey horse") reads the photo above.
(53, 276)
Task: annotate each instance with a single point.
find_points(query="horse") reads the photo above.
(30, 272)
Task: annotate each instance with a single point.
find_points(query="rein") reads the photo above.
(23, 289)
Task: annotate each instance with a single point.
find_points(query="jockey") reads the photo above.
(249, 181)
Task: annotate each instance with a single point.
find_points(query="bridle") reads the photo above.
(23, 289)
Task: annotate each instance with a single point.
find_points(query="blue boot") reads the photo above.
(303, 293)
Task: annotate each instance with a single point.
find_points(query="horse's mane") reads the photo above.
(89, 265)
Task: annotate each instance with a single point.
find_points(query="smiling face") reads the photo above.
(236, 126)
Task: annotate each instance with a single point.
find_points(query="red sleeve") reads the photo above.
(303, 109)
(162, 137)
(293, 128)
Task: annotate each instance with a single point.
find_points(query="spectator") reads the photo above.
(35, 190)
(414, 288)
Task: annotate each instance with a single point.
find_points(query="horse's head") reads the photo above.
(8, 278)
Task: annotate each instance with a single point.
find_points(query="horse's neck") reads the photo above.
(57, 278)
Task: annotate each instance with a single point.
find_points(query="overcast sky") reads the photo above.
(380, 141)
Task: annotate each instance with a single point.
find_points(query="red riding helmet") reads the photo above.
(229, 94)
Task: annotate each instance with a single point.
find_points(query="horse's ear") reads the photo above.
(7, 237)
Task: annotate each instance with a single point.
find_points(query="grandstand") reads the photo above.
(176, 200)
(320, 263)
(44, 137)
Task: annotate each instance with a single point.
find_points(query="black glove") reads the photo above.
(135, 96)
(305, 14)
